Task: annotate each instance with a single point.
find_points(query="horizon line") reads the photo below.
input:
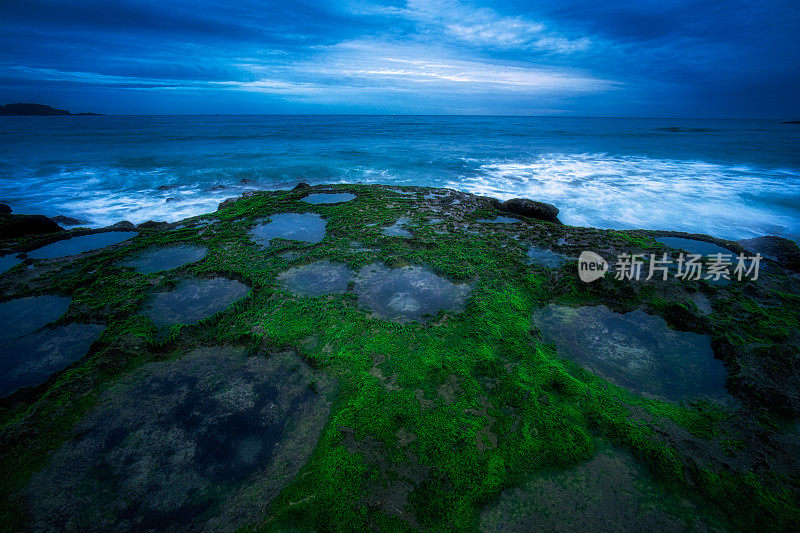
(89, 114)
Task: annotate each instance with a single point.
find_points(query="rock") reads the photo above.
(301, 185)
(13, 226)
(784, 251)
(171, 199)
(152, 224)
(68, 221)
(123, 225)
(5, 209)
(245, 181)
(25, 109)
(226, 203)
(531, 209)
(165, 187)
(216, 188)
(494, 202)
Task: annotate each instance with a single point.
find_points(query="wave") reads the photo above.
(624, 192)
(591, 189)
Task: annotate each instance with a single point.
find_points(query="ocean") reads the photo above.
(728, 178)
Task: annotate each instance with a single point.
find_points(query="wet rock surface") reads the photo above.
(545, 257)
(407, 293)
(21, 316)
(316, 279)
(193, 300)
(778, 249)
(14, 226)
(693, 246)
(33, 358)
(7, 262)
(307, 227)
(328, 198)
(610, 492)
(29, 354)
(636, 351)
(531, 209)
(166, 258)
(181, 444)
(81, 244)
(450, 393)
(398, 229)
(498, 220)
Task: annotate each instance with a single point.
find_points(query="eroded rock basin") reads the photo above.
(32, 359)
(329, 198)
(544, 257)
(307, 227)
(408, 293)
(21, 316)
(693, 246)
(29, 355)
(316, 279)
(636, 351)
(398, 229)
(204, 442)
(498, 220)
(7, 262)
(610, 492)
(166, 258)
(193, 300)
(84, 243)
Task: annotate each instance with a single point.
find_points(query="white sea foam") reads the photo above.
(620, 192)
(591, 189)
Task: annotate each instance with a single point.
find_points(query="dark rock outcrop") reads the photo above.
(31, 109)
(531, 209)
(5, 209)
(779, 249)
(494, 202)
(301, 185)
(13, 226)
(68, 221)
(226, 203)
(123, 225)
(152, 224)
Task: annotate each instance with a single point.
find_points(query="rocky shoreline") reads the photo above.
(440, 344)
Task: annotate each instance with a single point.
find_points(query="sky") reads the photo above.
(682, 58)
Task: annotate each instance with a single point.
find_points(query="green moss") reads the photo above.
(486, 404)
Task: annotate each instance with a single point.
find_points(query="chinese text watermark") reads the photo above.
(716, 267)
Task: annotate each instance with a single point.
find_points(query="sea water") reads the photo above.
(728, 178)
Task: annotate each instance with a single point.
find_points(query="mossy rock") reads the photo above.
(403, 421)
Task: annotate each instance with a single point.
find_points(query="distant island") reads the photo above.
(34, 109)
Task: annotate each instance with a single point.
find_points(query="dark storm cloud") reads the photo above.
(693, 58)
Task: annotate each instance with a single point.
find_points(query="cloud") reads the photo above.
(689, 57)
(393, 66)
(479, 26)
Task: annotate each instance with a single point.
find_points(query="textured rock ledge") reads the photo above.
(420, 359)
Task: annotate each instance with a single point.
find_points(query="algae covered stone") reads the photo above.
(166, 258)
(193, 300)
(306, 227)
(185, 444)
(408, 293)
(636, 351)
(81, 244)
(316, 279)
